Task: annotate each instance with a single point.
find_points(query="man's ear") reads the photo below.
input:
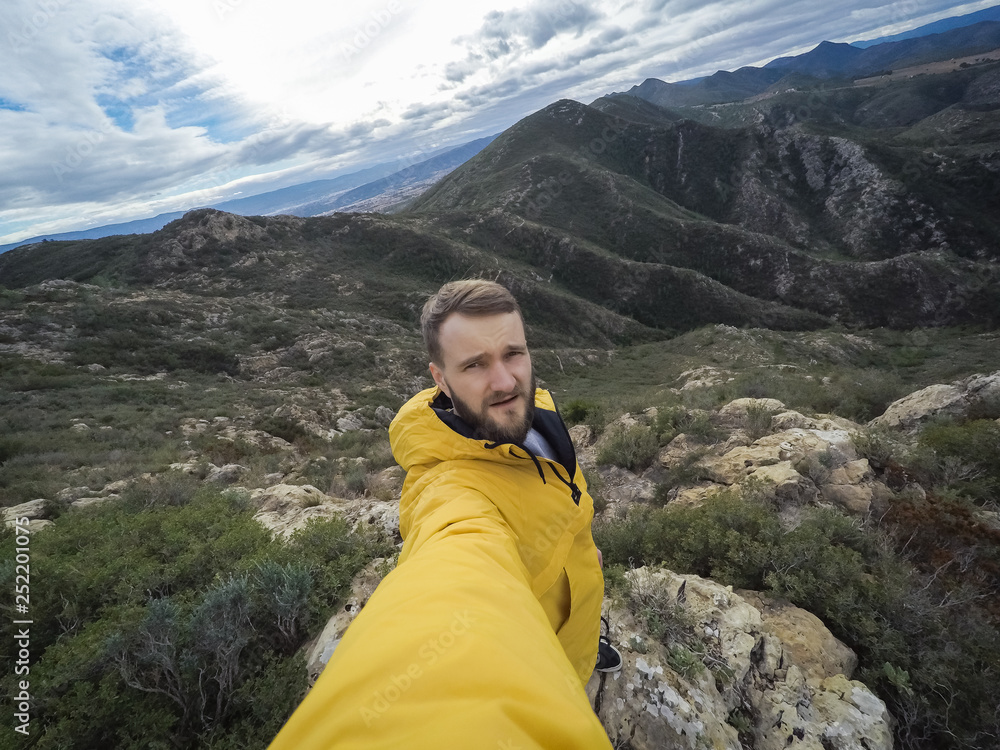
(438, 376)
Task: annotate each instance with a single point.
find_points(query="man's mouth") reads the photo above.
(505, 401)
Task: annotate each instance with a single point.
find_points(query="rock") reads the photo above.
(786, 485)
(257, 438)
(287, 521)
(623, 486)
(225, 474)
(80, 427)
(855, 499)
(787, 420)
(696, 495)
(287, 496)
(85, 502)
(804, 638)
(70, 494)
(852, 472)
(312, 422)
(703, 377)
(192, 468)
(384, 415)
(116, 488)
(677, 450)
(583, 440)
(940, 400)
(852, 716)
(192, 426)
(738, 408)
(916, 408)
(319, 651)
(33, 510)
(349, 423)
(768, 655)
(582, 435)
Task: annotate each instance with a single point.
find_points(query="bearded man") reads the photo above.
(489, 627)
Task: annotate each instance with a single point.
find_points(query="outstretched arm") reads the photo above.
(452, 650)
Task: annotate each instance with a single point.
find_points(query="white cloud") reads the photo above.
(109, 110)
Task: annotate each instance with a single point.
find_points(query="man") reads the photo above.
(485, 633)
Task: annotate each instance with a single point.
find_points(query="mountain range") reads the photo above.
(381, 187)
(386, 187)
(828, 60)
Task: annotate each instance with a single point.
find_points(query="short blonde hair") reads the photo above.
(473, 297)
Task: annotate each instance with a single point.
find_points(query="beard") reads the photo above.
(486, 427)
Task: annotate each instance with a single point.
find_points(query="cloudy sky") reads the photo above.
(112, 110)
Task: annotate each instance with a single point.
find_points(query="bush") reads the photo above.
(964, 457)
(577, 411)
(877, 445)
(170, 623)
(632, 447)
(926, 636)
(757, 421)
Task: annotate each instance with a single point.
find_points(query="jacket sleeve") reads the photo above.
(452, 650)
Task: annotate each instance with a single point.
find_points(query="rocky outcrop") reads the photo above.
(804, 461)
(955, 399)
(283, 509)
(736, 669)
(320, 649)
(38, 513)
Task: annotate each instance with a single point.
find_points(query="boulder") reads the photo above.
(69, 494)
(854, 499)
(225, 474)
(620, 485)
(349, 423)
(319, 651)
(774, 664)
(86, 502)
(912, 410)
(384, 415)
(734, 413)
(940, 400)
(33, 510)
(287, 496)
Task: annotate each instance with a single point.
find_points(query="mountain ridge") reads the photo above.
(308, 198)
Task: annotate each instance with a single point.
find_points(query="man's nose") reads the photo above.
(501, 378)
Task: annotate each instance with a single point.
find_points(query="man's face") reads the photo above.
(486, 371)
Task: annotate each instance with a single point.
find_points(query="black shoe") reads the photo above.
(608, 657)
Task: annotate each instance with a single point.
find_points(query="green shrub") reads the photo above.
(577, 411)
(695, 423)
(632, 447)
(757, 421)
(877, 445)
(282, 427)
(965, 457)
(188, 585)
(932, 623)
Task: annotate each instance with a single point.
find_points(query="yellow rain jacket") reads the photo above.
(485, 633)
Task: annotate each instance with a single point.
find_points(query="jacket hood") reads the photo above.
(425, 432)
